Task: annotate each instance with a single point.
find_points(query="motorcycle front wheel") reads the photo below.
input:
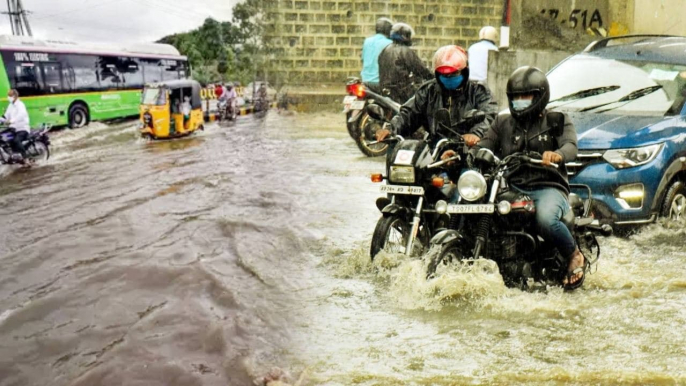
(38, 151)
(390, 235)
(452, 251)
(366, 134)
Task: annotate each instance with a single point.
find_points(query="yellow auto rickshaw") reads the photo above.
(171, 109)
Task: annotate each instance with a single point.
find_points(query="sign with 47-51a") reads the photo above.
(579, 14)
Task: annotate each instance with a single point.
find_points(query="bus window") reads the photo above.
(26, 78)
(152, 70)
(83, 70)
(173, 70)
(108, 70)
(52, 78)
(132, 73)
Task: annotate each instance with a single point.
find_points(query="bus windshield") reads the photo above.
(154, 96)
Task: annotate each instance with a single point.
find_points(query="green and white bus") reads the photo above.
(65, 83)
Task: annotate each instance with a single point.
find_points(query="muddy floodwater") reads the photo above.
(241, 252)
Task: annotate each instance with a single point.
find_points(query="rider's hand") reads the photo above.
(550, 157)
(471, 139)
(382, 134)
(447, 154)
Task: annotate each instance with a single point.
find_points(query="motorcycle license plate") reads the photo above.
(357, 105)
(462, 209)
(395, 189)
(347, 102)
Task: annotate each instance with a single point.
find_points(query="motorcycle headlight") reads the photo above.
(402, 174)
(471, 185)
(629, 158)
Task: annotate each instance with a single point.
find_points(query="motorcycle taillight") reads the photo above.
(358, 90)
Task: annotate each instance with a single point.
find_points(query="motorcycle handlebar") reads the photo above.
(395, 138)
(540, 162)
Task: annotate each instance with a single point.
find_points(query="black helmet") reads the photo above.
(383, 26)
(528, 81)
(402, 33)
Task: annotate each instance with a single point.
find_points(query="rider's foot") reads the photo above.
(577, 261)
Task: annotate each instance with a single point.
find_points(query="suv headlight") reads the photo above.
(404, 174)
(629, 158)
(471, 185)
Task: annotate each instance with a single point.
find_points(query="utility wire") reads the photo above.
(79, 9)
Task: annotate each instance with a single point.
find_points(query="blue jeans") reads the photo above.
(551, 206)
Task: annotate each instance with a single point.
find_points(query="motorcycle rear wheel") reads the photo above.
(390, 235)
(367, 129)
(452, 251)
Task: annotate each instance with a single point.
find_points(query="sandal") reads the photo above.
(583, 269)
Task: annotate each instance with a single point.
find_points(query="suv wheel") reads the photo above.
(674, 206)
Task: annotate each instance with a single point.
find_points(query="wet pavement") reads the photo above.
(219, 258)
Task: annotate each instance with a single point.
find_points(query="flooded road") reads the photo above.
(217, 259)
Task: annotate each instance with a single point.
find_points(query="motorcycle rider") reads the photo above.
(227, 98)
(17, 118)
(530, 127)
(478, 53)
(400, 69)
(450, 90)
(371, 49)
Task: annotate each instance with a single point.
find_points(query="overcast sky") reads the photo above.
(116, 20)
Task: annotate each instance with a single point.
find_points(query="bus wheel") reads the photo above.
(78, 116)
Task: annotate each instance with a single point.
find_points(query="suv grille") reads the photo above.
(583, 159)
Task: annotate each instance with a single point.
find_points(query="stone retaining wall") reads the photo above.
(321, 41)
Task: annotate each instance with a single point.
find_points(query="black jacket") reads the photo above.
(507, 136)
(419, 111)
(401, 71)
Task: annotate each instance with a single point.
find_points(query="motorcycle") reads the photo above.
(37, 146)
(498, 223)
(227, 111)
(417, 183)
(361, 127)
(260, 103)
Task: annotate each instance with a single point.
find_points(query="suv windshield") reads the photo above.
(154, 96)
(593, 84)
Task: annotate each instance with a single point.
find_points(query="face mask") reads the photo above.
(12, 99)
(451, 83)
(521, 104)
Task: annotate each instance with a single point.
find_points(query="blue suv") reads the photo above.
(626, 97)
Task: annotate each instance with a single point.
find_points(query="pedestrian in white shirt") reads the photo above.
(17, 118)
(478, 54)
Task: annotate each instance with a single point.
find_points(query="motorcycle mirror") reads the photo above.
(475, 116)
(442, 117)
(486, 155)
(376, 112)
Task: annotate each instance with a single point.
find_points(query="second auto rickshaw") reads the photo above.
(171, 109)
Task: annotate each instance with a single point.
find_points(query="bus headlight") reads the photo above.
(471, 185)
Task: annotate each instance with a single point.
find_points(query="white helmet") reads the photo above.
(489, 33)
